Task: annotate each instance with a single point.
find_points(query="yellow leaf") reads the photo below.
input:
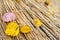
(25, 29)
(37, 22)
(47, 2)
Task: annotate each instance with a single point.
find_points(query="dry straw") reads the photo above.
(48, 19)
